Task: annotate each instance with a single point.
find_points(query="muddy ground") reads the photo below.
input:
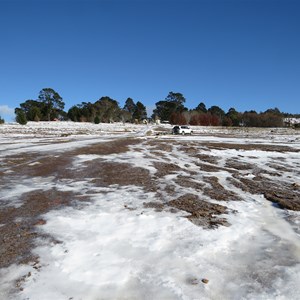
(18, 224)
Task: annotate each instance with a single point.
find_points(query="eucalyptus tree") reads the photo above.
(173, 104)
(53, 103)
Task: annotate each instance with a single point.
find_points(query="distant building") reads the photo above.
(291, 122)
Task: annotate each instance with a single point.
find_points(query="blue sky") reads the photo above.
(238, 53)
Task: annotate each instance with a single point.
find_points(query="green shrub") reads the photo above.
(97, 120)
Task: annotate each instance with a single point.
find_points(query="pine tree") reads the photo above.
(21, 117)
(140, 112)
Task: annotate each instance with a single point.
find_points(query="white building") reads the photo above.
(291, 122)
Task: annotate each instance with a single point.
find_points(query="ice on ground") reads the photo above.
(112, 247)
(64, 129)
(111, 252)
(61, 136)
(10, 195)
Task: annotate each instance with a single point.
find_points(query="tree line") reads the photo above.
(172, 109)
(50, 106)
(107, 110)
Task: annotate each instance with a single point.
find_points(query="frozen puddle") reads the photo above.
(111, 252)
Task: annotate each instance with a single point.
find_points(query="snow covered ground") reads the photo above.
(116, 245)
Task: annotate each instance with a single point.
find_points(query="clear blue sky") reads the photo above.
(241, 54)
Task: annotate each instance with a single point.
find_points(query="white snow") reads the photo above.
(60, 136)
(108, 251)
(9, 195)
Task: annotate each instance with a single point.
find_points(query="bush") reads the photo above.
(21, 117)
(97, 120)
(1, 120)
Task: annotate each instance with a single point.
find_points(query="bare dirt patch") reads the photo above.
(217, 191)
(158, 206)
(289, 200)
(115, 146)
(285, 195)
(208, 167)
(235, 163)
(202, 213)
(18, 231)
(161, 146)
(259, 147)
(207, 158)
(188, 182)
(278, 167)
(189, 149)
(106, 173)
(164, 169)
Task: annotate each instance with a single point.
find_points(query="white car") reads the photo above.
(183, 129)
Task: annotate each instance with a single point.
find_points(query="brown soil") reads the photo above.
(188, 182)
(18, 232)
(207, 158)
(238, 165)
(189, 149)
(158, 206)
(106, 173)
(288, 200)
(260, 147)
(217, 191)
(286, 195)
(160, 146)
(202, 213)
(209, 168)
(164, 169)
(278, 167)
